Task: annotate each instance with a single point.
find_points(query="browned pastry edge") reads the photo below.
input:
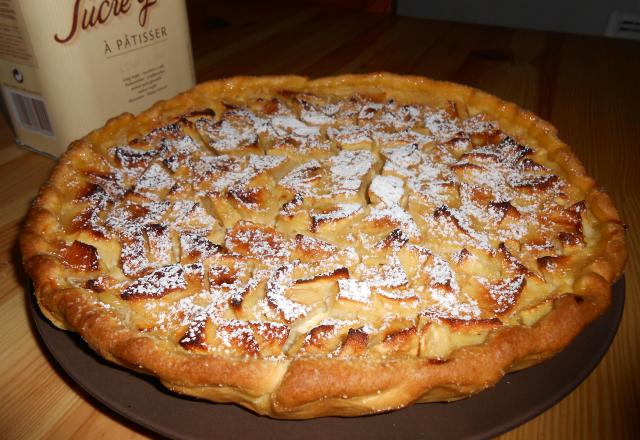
(313, 387)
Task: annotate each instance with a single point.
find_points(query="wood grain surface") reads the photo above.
(588, 87)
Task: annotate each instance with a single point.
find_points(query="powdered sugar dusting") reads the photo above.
(227, 137)
(339, 175)
(505, 292)
(397, 216)
(389, 189)
(157, 284)
(175, 199)
(259, 242)
(441, 126)
(350, 135)
(348, 168)
(338, 212)
(276, 287)
(354, 290)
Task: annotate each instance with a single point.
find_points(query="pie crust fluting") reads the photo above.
(338, 246)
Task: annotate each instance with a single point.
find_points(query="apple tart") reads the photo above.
(337, 246)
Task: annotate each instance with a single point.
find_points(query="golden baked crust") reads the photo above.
(337, 246)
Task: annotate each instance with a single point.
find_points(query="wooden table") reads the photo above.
(588, 87)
